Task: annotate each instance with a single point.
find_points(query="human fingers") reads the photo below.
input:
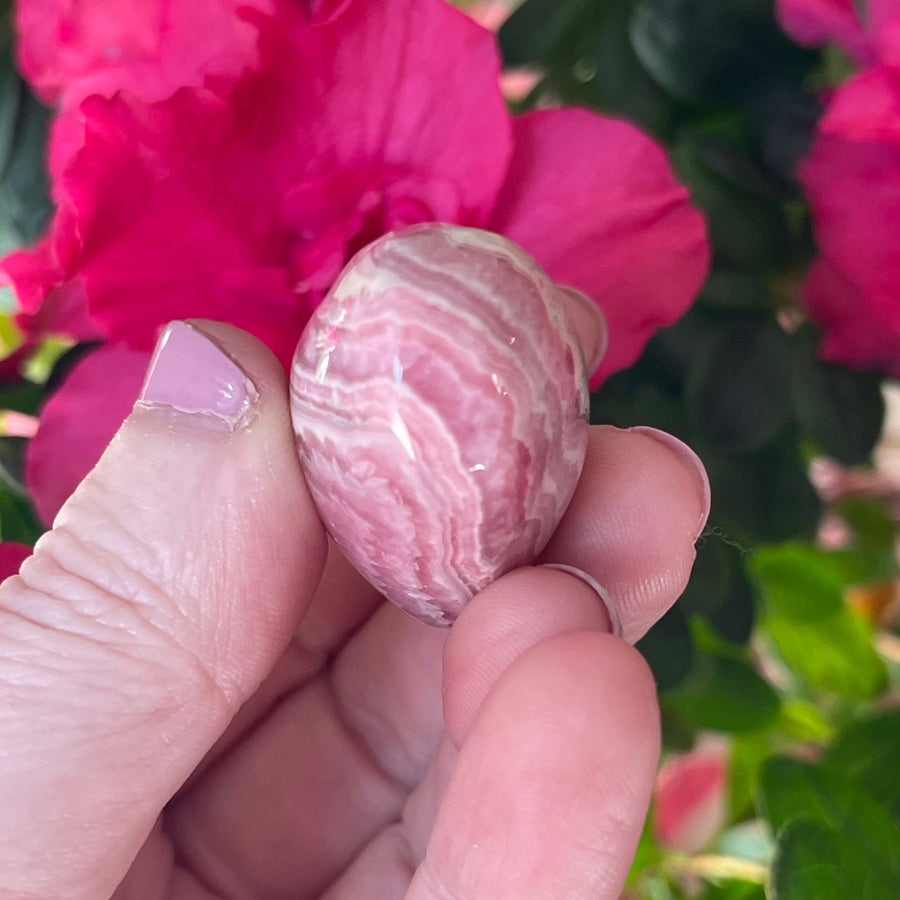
(642, 502)
(631, 527)
(552, 782)
(169, 585)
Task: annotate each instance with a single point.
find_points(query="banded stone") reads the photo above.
(439, 399)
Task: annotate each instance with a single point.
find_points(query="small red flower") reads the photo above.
(689, 799)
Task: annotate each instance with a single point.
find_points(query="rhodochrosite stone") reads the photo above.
(439, 398)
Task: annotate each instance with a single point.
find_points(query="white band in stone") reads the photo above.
(608, 604)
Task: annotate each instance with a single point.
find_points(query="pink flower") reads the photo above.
(12, 555)
(73, 49)
(690, 799)
(852, 179)
(243, 205)
(814, 22)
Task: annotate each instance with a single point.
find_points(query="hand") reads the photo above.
(199, 698)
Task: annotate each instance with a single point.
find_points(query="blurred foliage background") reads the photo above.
(784, 653)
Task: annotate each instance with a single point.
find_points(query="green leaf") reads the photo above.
(12, 463)
(748, 753)
(808, 864)
(18, 520)
(834, 840)
(726, 289)
(10, 100)
(867, 752)
(720, 592)
(798, 581)
(788, 788)
(833, 653)
(721, 52)
(606, 74)
(748, 230)
(735, 890)
(737, 391)
(782, 123)
(723, 694)
(842, 411)
(550, 32)
(24, 202)
(669, 649)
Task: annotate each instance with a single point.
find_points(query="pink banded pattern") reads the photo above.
(439, 397)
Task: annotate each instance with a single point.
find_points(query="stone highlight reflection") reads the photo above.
(439, 398)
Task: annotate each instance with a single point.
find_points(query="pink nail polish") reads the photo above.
(188, 372)
(691, 462)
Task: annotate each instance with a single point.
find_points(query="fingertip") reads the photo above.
(633, 521)
(508, 617)
(553, 782)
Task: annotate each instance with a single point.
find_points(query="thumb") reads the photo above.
(169, 585)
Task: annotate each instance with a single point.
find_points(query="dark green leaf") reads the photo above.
(24, 202)
(551, 32)
(18, 520)
(720, 52)
(634, 398)
(782, 123)
(10, 100)
(723, 694)
(748, 230)
(719, 591)
(737, 391)
(765, 497)
(669, 649)
(731, 290)
(841, 410)
(827, 825)
(868, 753)
(12, 463)
(808, 864)
(607, 75)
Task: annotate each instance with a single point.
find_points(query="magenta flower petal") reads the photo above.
(407, 84)
(857, 333)
(69, 49)
(595, 202)
(79, 420)
(815, 22)
(244, 208)
(12, 555)
(852, 179)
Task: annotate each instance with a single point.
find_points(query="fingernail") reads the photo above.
(190, 373)
(609, 605)
(589, 324)
(691, 462)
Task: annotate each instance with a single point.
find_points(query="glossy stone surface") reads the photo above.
(439, 398)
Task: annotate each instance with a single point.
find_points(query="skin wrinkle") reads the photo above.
(358, 735)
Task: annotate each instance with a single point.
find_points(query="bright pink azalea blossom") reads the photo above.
(689, 805)
(814, 22)
(244, 206)
(852, 179)
(12, 555)
(70, 49)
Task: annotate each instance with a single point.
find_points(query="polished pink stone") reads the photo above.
(439, 398)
